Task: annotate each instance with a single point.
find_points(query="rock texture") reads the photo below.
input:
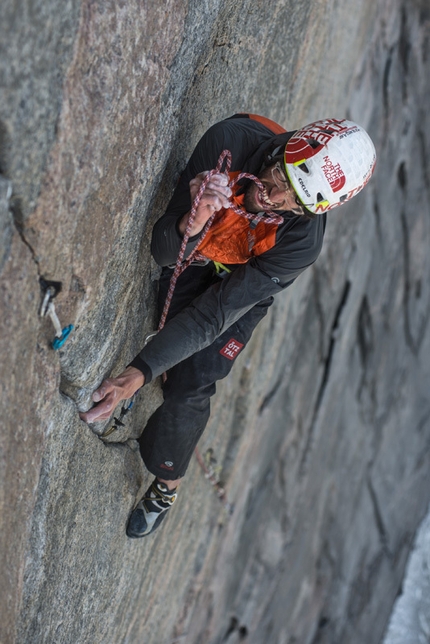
(321, 432)
(410, 620)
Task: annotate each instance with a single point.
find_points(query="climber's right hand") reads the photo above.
(111, 392)
(215, 196)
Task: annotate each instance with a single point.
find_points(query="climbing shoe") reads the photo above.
(151, 510)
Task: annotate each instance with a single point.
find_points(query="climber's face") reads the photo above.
(278, 193)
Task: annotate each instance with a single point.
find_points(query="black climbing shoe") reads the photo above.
(151, 510)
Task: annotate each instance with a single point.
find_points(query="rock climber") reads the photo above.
(241, 264)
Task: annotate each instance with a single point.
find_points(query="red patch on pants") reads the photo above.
(231, 349)
(168, 465)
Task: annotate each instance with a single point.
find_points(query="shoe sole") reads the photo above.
(135, 535)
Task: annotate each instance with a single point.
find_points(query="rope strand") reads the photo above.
(181, 265)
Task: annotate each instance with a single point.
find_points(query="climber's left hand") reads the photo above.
(111, 392)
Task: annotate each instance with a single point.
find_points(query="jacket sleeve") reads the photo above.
(209, 315)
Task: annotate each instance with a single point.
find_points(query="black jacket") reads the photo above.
(298, 244)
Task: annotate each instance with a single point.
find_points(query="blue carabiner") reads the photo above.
(58, 342)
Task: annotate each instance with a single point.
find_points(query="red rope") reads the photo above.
(181, 265)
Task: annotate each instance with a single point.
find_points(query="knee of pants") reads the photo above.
(180, 393)
(195, 401)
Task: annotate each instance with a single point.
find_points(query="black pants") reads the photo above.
(173, 431)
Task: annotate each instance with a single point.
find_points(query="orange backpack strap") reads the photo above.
(271, 125)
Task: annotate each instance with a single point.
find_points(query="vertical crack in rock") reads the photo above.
(366, 346)
(5, 146)
(333, 337)
(386, 85)
(325, 377)
(383, 535)
(271, 394)
(320, 316)
(12, 202)
(402, 176)
(18, 220)
(377, 214)
(404, 50)
(365, 332)
(424, 154)
(412, 343)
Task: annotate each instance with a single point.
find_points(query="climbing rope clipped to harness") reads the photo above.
(269, 218)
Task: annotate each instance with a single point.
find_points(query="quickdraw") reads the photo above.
(117, 422)
(51, 290)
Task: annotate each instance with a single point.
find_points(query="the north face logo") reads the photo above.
(334, 174)
(231, 349)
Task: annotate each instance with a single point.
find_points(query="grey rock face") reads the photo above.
(409, 622)
(319, 434)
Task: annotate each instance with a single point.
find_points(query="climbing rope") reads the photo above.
(269, 218)
(181, 265)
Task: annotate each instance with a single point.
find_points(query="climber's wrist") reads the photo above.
(198, 223)
(130, 380)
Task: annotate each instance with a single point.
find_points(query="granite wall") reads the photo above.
(320, 434)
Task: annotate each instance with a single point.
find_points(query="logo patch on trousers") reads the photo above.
(167, 465)
(231, 349)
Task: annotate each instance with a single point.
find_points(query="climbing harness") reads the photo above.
(50, 291)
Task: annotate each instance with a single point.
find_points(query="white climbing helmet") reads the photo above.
(328, 162)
